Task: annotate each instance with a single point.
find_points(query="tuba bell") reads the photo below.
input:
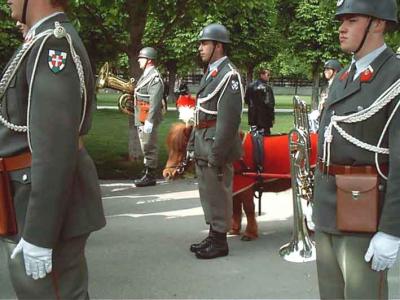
(109, 80)
(301, 248)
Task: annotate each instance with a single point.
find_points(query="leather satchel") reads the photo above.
(8, 220)
(357, 202)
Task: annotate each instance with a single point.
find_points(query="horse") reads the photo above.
(249, 179)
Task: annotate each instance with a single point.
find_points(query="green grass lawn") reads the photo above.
(282, 101)
(107, 142)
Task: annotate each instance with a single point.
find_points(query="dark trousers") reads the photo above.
(342, 270)
(68, 279)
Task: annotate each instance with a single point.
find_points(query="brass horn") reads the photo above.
(109, 80)
(301, 248)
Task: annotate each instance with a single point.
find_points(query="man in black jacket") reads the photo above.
(261, 102)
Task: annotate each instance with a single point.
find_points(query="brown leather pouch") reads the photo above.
(8, 221)
(144, 108)
(357, 202)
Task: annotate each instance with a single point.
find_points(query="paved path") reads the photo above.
(143, 252)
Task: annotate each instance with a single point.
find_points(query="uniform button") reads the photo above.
(24, 178)
(381, 187)
(360, 108)
(333, 112)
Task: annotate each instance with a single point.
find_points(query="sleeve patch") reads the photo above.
(57, 60)
(234, 85)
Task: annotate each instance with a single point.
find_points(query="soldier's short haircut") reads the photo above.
(62, 3)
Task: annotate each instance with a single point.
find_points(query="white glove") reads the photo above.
(383, 249)
(38, 260)
(147, 127)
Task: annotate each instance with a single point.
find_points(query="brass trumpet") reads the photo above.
(109, 80)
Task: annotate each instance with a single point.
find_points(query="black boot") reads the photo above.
(148, 178)
(218, 247)
(203, 244)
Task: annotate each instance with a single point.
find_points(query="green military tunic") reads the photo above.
(150, 89)
(57, 200)
(219, 98)
(347, 97)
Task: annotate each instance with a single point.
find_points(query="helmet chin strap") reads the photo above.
(24, 10)
(365, 36)
(212, 52)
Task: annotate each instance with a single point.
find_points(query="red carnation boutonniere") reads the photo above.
(367, 75)
(214, 73)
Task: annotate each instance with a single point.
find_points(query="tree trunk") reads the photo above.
(137, 11)
(249, 75)
(172, 68)
(315, 87)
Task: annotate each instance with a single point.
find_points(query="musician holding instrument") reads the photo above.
(357, 182)
(148, 98)
(50, 197)
(215, 142)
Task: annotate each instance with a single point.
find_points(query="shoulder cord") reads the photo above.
(146, 81)
(386, 97)
(224, 83)
(58, 32)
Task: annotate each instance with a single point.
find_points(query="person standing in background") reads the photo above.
(149, 93)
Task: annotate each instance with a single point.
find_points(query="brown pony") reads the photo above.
(247, 182)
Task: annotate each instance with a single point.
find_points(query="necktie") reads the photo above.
(352, 72)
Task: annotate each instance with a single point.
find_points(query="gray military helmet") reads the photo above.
(380, 9)
(333, 64)
(148, 52)
(215, 32)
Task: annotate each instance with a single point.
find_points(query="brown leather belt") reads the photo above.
(206, 124)
(23, 160)
(16, 162)
(333, 169)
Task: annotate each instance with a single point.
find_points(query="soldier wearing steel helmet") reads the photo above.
(215, 141)
(148, 113)
(358, 149)
(46, 106)
(331, 68)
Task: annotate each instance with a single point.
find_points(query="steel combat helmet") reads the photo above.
(148, 52)
(333, 64)
(215, 32)
(380, 9)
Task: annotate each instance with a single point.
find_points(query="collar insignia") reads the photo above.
(367, 75)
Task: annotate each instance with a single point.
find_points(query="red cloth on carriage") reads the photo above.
(276, 160)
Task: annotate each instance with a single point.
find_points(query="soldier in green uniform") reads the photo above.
(148, 113)
(47, 99)
(215, 142)
(359, 140)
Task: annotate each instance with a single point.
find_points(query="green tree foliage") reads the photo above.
(314, 37)
(10, 38)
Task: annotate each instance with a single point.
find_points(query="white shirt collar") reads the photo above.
(31, 32)
(363, 63)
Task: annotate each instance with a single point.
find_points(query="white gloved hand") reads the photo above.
(38, 260)
(383, 249)
(147, 127)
